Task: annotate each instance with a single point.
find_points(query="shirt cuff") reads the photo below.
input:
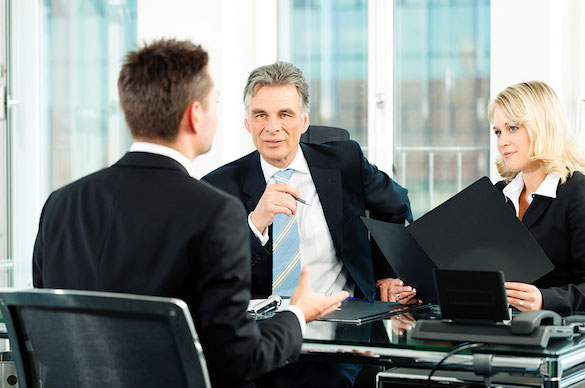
(300, 316)
(262, 237)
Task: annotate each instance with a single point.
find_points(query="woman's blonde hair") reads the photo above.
(535, 106)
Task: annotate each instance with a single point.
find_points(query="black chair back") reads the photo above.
(318, 134)
(64, 338)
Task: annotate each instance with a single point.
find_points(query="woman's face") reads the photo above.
(513, 143)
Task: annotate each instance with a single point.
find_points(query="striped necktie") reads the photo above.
(286, 256)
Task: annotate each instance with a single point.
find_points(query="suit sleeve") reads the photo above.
(383, 195)
(387, 201)
(227, 178)
(38, 261)
(38, 251)
(570, 298)
(231, 340)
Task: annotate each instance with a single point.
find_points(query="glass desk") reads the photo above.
(388, 343)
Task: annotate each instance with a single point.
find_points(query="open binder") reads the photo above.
(473, 230)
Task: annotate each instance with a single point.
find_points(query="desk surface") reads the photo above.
(388, 343)
(386, 336)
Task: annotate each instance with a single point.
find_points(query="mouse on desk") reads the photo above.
(526, 322)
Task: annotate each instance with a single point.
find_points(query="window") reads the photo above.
(441, 93)
(5, 259)
(85, 43)
(64, 121)
(328, 41)
(441, 75)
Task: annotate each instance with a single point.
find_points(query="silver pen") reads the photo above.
(301, 201)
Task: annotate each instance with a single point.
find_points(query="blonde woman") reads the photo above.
(544, 184)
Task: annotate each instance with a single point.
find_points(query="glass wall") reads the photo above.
(84, 43)
(328, 41)
(64, 121)
(441, 84)
(5, 260)
(441, 92)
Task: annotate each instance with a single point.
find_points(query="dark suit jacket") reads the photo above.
(144, 226)
(347, 184)
(558, 225)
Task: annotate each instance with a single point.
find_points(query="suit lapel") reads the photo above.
(327, 182)
(254, 183)
(537, 207)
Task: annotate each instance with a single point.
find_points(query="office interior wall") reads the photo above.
(239, 36)
(28, 158)
(540, 40)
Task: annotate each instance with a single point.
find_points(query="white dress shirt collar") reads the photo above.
(548, 188)
(299, 164)
(159, 149)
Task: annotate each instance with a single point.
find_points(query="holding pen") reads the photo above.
(301, 201)
(276, 199)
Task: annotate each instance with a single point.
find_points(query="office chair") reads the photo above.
(318, 134)
(63, 338)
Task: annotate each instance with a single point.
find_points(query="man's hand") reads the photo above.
(277, 199)
(394, 290)
(523, 296)
(312, 305)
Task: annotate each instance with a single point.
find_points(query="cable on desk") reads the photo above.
(455, 351)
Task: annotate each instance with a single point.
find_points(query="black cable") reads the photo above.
(459, 349)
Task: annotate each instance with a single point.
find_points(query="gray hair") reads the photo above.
(277, 74)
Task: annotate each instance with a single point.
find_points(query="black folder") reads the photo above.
(473, 230)
(360, 311)
(406, 257)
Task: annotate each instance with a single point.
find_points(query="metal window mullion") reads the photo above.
(431, 178)
(459, 171)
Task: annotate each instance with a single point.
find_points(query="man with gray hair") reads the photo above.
(304, 201)
(330, 186)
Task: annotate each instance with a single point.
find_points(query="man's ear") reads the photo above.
(195, 110)
(305, 122)
(247, 125)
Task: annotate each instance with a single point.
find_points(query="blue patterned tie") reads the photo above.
(286, 256)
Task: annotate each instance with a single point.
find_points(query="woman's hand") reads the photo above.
(402, 323)
(394, 290)
(524, 297)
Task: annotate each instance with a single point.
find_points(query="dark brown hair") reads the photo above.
(158, 82)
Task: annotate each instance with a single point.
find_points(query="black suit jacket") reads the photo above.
(347, 184)
(558, 225)
(144, 226)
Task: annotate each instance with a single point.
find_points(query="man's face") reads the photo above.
(276, 121)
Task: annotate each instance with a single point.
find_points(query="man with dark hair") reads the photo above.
(145, 226)
(321, 190)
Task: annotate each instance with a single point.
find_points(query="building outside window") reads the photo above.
(441, 84)
(64, 120)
